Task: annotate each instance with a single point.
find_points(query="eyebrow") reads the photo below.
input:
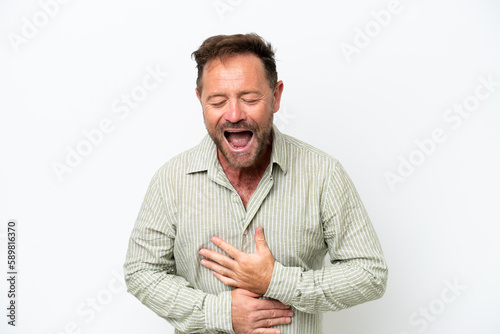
(215, 95)
(245, 92)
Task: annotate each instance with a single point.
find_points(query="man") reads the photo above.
(232, 234)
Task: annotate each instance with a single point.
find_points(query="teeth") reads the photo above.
(227, 135)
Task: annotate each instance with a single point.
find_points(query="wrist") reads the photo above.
(267, 278)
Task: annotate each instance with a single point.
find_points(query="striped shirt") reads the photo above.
(307, 205)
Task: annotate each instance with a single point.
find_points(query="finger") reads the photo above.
(273, 322)
(217, 268)
(269, 304)
(266, 331)
(226, 280)
(219, 258)
(232, 251)
(244, 292)
(260, 239)
(274, 313)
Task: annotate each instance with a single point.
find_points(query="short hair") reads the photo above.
(225, 46)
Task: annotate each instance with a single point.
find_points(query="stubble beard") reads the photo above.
(262, 138)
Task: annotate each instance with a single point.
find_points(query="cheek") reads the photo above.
(263, 115)
(212, 119)
(209, 116)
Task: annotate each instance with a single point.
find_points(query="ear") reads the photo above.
(278, 90)
(198, 95)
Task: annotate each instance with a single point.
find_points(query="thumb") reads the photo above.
(260, 240)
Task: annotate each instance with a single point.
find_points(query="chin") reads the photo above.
(239, 161)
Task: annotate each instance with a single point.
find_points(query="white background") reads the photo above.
(439, 226)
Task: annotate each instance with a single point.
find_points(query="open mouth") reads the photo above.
(238, 141)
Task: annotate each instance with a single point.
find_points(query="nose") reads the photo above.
(234, 114)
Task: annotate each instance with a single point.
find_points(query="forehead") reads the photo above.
(244, 69)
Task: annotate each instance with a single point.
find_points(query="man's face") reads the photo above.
(238, 107)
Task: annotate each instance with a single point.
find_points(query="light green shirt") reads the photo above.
(307, 205)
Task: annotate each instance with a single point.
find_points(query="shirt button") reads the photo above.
(245, 232)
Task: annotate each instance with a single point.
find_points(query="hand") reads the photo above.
(252, 315)
(252, 272)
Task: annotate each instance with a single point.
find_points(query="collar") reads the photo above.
(204, 156)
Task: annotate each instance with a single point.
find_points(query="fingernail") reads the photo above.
(290, 314)
(202, 251)
(288, 320)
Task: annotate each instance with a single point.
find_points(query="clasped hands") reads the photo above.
(251, 274)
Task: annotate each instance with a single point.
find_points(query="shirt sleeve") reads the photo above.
(358, 272)
(150, 272)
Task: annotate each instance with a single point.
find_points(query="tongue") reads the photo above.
(239, 139)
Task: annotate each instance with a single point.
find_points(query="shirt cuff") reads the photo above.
(218, 312)
(283, 283)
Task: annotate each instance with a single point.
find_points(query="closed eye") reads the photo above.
(218, 104)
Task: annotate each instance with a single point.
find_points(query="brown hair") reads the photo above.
(224, 46)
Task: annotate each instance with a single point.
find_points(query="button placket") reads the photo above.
(246, 241)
